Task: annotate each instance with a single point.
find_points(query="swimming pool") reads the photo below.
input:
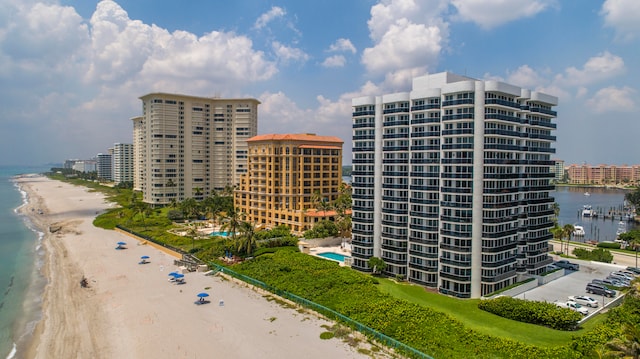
(333, 256)
(220, 234)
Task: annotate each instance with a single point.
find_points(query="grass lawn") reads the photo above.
(466, 311)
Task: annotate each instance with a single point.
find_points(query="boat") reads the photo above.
(587, 211)
(587, 194)
(578, 231)
(622, 228)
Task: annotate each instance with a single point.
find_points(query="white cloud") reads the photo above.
(405, 44)
(492, 13)
(598, 68)
(264, 19)
(525, 77)
(334, 61)
(613, 99)
(623, 16)
(287, 54)
(342, 45)
(408, 35)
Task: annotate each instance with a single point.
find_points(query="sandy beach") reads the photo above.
(131, 310)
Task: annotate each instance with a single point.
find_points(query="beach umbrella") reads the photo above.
(144, 257)
(121, 243)
(173, 274)
(178, 275)
(203, 295)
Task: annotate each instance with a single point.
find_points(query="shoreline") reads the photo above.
(131, 310)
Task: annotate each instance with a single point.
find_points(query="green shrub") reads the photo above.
(175, 215)
(540, 313)
(598, 254)
(610, 245)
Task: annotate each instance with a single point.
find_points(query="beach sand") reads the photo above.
(131, 310)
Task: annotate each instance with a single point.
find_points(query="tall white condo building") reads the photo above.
(452, 182)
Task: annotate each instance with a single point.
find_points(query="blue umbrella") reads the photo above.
(178, 275)
(144, 257)
(121, 243)
(203, 295)
(173, 274)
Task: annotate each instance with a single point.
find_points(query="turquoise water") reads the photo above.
(220, 234)
(21, 260)
(334, 256)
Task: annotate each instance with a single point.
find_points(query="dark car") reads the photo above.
(563, 263)
(635, 270)
(599, 289)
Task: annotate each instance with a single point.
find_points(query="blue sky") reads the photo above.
(71, 71)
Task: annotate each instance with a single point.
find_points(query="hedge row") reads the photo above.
(539, 313)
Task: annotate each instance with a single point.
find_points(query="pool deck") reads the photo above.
(346, 251)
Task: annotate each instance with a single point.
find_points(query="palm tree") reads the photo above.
(557, 234)
(231, 221)
(189, 208)
(556, 212)
(635, 244)
(197, 191)
(567, 231)
(247, 241)
(628, 346)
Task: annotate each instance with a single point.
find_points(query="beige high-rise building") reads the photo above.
(288, 174)
(189, 147)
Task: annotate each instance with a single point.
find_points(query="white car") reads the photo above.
(573, 306)
(584, 300)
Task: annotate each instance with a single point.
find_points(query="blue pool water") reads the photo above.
(334, 256)
(220, 234)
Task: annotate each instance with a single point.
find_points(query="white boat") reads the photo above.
(587, 194)
(622, 228)
(578, 231)
(587, 211)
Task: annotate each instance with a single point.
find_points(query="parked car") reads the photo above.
(563, 263)
(573, 306)
(623, 275)
(619, 281)
(614, 282)
(584, 300)
(628, 272)
(635, 270)
(598, 289)
(598, 281)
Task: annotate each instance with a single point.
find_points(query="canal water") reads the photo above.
(603, 200)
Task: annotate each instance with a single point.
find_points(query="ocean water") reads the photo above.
(21, 260)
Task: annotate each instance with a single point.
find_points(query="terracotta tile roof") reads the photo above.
(295, 137)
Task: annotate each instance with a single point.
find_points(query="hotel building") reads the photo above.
(189, 147)
(451, 183)
(286, 175)
(104, 166)
(603, 174)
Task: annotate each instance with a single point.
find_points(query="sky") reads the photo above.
(72, 71)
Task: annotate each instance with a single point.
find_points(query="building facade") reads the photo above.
(603, 174)
(104, 166)
(452, 183)
(189, 147)
(287, 175)
(122, 162)
(558, 170)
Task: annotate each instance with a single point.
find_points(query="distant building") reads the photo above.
(603, 174)
(287, 174)
(68, 164)
(558, 170)
(104, 166)
(452, 183)
(85, 166)
(122, 162)
(188, 147)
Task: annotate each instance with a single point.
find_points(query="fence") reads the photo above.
(327, 312)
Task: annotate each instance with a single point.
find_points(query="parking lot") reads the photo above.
(573, 283)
